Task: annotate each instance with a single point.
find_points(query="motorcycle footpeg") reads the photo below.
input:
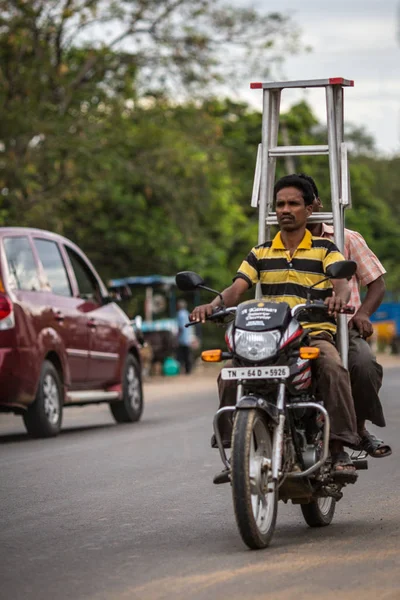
(360, 464)
(343, 478)
(223, 477)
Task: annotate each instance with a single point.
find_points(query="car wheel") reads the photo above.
(130, 408)
(43, 417)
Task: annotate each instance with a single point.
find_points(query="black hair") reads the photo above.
(311, 182)
(297, 182)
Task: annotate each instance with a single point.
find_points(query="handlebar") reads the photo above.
(320, 305)
(217, 315)
(347, 310)
(221, 313)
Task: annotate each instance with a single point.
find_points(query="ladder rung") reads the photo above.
(302, 83)
(321, 217)
(298, 150)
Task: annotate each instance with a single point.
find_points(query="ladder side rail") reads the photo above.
(255, 196)
(345, 172)
(265, 138)
(274, 119)
(262, 201)
(334, 111)
(269, 137)
(334, 168)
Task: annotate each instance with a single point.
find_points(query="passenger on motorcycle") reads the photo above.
(365, 372)
(286, 267)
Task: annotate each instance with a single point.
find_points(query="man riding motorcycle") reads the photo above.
(286, 267)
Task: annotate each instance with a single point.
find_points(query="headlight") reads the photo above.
(256, 345)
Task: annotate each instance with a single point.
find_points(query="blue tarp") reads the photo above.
(142, 280)
(388, 311)
(159, 325)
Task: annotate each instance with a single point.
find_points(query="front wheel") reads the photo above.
(130, 408)
(319, 513)
(255, 497)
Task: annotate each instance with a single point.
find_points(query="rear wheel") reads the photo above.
(43, 417)
(319, 513)
(130, 408)
(255, 497)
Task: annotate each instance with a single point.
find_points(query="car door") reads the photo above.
(70, 322)
(106, 340)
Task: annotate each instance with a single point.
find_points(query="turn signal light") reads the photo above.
(211, 355)
(309, 352)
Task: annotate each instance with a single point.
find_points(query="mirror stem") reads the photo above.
(203, 287)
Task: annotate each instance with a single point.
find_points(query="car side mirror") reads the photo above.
(138, 322)
(137, 326)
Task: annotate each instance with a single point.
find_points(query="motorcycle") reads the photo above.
(280, 434)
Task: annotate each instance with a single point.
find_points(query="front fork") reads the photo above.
(277, 443)
(217, 416)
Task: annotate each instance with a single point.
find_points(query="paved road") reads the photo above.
(130, 513)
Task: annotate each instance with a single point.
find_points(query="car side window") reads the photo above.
(87, 282)
(21, 264)
(53, 266)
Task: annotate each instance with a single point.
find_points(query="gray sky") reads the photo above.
(355, 39)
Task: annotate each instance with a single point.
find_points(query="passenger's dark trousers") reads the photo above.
(184, 356)
(366, 380)
(333, 385)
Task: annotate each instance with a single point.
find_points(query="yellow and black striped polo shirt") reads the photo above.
(286, 279)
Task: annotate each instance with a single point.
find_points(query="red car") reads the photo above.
(63, 341)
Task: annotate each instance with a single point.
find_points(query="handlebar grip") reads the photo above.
(192, 323)
(348, 310)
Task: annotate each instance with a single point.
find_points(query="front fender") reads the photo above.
(259, 402)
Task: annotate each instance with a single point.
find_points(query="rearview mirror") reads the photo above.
(187, 281)
(343, 269)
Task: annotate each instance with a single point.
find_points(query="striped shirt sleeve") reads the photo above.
(332, 255)
(248, 270)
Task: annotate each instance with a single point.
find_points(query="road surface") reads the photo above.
(129, 512)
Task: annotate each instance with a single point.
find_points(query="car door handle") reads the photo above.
(92, 323)
(59, 316)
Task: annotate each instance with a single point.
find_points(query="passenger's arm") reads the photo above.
(371, 302)
(231, 296)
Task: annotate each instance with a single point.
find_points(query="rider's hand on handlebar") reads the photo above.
(334, 304)
(200, 313)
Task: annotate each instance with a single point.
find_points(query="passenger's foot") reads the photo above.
(223, 477)
(343, 469)
(226, 442)
(372, 446)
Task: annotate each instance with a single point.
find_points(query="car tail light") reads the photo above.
(6, 313)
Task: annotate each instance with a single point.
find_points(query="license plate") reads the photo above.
(255, 373)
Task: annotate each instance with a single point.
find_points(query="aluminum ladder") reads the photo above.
(336, 149)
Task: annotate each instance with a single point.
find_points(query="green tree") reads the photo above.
(65, 65)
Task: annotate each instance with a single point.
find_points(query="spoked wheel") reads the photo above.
(255, 497)
(319, 513)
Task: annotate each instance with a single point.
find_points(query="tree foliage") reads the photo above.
(112, 133)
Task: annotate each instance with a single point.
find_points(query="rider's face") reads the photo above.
(291, 210)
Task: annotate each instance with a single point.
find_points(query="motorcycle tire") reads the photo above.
(319, 513)
(255, 507)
